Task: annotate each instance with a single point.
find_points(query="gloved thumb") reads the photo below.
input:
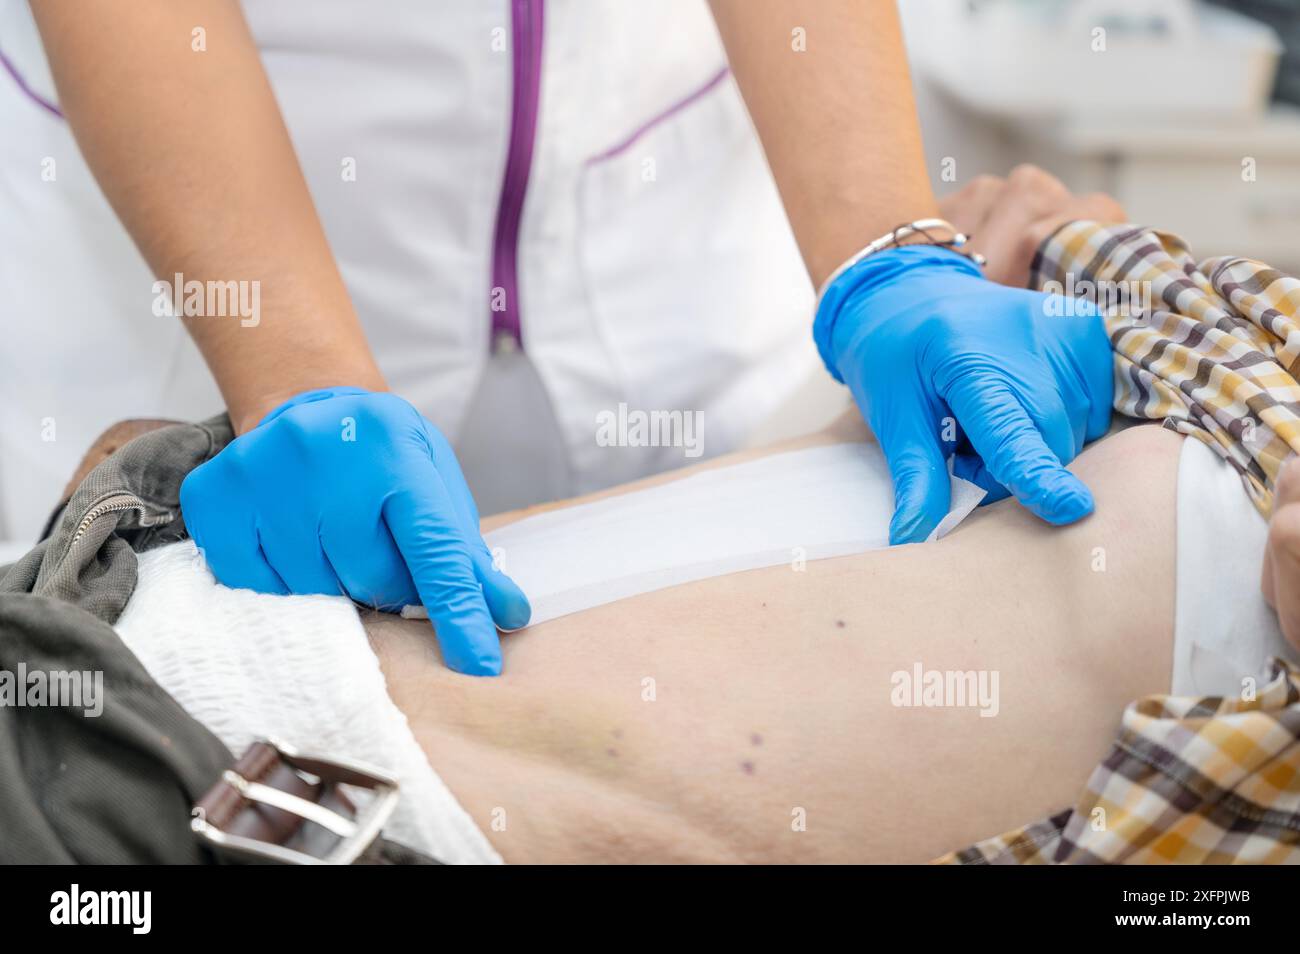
(922, 488)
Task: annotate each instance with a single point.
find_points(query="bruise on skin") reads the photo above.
(755, 739)
(612, 753)
(747, 767)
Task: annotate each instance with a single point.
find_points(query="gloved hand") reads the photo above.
(347, 491)
(941, 361)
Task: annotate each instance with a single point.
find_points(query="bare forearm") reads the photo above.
(190, 150)
(837, 118)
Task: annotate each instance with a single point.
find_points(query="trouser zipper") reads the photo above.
(117, 503)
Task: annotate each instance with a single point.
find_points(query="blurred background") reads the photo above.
(1187, 111)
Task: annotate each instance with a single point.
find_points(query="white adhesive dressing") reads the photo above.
(1224, 632)
(806, 504)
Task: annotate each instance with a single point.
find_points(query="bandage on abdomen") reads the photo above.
(783, 509)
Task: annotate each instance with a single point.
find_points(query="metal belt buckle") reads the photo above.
(261, 807)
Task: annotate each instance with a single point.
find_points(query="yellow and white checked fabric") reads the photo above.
(1187, 781)
(1213, 350)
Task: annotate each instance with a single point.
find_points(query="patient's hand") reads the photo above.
(1009, 218)
(1281, 582)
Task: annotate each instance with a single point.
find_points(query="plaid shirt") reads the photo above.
(1214, 351)
(1216, 355)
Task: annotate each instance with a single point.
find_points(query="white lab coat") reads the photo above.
(655, 264)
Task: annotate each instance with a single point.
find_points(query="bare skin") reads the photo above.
(1282, 555)
(828, 87)
(772, 691)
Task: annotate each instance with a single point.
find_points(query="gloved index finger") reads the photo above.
(506, 602)
(1014, 450)
(428, 533)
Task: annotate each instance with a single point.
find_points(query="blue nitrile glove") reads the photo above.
(922, 339)
(347, 491)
